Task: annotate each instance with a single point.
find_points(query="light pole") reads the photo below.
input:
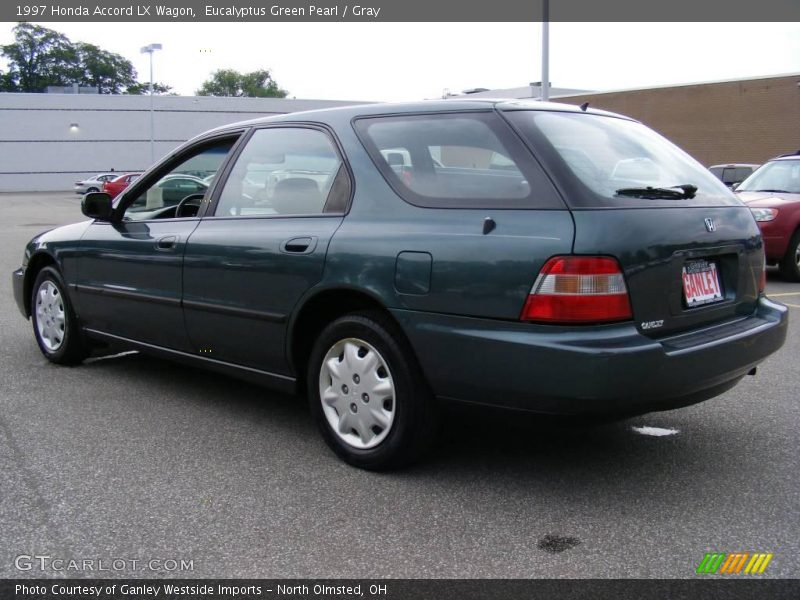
(149, 50)
(546, 51)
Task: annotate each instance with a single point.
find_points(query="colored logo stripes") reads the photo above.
(738, 562)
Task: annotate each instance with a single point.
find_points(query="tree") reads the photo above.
(108, 72)
(228, 82)
(143, 89)
(6, 82)
(39, 57)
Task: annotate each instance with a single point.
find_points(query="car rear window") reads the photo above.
(593, 156)
(456, 160)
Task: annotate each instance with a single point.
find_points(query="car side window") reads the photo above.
(286, 171)
(456, 160)
(180, 189)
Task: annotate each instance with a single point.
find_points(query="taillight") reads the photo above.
(578, 289)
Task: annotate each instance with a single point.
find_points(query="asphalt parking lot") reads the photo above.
(135, 458)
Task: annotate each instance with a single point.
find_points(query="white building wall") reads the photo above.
(39, 151)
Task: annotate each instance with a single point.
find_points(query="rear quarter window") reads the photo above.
(456, 160)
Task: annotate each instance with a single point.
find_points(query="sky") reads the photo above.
(411, 61)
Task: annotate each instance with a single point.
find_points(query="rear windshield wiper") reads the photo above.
(675, 192)
(768, 191)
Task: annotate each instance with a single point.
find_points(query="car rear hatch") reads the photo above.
(679, 274)
(691, 256)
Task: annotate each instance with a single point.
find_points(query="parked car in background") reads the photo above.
(113, 187)
(94, 183)
(163, 197)
(528, 256)
(732, 174)
(773, 195)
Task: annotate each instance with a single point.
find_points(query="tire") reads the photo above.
(376, 415)
(92, 189)
(790, 263)
(55, 326)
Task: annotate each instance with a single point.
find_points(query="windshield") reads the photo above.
(776, 176)
(612, 161)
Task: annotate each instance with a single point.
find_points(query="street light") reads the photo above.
(149, 50)
(546, 51)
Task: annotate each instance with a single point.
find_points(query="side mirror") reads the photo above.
(97, 205)
(735, 185)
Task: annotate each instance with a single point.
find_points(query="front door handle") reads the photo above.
(299, 245)
(168, 242)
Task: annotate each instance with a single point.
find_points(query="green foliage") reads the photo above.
(40, 57)
(228, 82)
(143, 89)
(108, 72)
(6, 82)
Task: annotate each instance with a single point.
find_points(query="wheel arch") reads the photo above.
(318, 310)
(36, 263)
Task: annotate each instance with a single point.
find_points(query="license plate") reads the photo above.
(701, 283)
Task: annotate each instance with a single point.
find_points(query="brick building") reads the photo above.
(743, 121)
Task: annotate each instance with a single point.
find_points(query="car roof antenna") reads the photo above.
(584, 106)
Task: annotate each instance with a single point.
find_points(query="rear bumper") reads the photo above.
(18, 284)
(602, 369)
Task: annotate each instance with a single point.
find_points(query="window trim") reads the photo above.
(222, 179)
(545, 195)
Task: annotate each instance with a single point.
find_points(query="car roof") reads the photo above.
(424, 106)
(784, 157)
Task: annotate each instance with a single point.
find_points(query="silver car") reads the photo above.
(94, 183)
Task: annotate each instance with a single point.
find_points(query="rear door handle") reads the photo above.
(299, 245)
(167, 242)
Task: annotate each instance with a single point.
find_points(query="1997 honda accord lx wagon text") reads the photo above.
(385, 258)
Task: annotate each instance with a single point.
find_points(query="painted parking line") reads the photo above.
(784, 295)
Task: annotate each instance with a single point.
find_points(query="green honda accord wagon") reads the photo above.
(386, 259)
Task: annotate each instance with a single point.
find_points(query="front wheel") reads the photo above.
(54, 324)
(790, 263)
(367, 393)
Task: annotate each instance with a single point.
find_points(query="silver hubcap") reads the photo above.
(357, 393)
(51, 321)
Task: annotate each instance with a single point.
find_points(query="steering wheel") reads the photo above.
(193, 200)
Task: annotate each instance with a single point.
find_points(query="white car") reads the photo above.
(94, 183)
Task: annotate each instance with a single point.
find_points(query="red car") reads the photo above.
(116, 185)
(773, 195)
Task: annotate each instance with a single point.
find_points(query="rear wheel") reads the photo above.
(790, 263)
(54, 324)
(367, 393)
(92, 189)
